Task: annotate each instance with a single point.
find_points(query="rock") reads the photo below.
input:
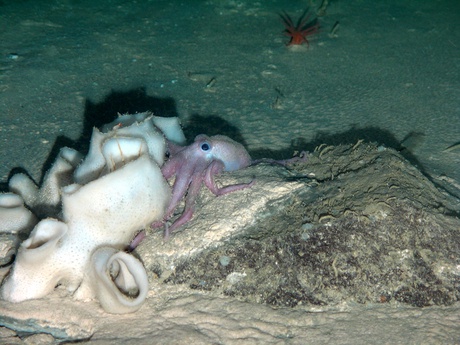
(368, 228)
(8, 336)
(181, 317)
(39, 339)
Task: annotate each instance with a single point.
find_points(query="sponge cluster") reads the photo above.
(87, 211)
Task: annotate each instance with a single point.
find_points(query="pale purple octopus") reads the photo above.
(198, 163)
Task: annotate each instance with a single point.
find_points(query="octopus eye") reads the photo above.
(205, 146)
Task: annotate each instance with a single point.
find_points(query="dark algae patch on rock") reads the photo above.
(369, 227)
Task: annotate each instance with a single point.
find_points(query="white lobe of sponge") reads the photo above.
(147, 132)
(94, 162)
(119, 151)
(120, 145)
(111, 209)
(37, 270)
(170, 126)
(45, 201)
(14, 216)
(118, 280)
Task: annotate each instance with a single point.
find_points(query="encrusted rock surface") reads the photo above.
(355, 223)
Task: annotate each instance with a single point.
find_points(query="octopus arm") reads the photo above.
(179, 189)
(215, 168)
(169, 169)
(187, 214)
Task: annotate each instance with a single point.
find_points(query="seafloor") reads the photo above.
(383, 72)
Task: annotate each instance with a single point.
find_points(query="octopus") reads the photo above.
(195, 165)
(198, 164)
(299, 32)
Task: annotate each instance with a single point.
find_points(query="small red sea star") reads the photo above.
(301, 30)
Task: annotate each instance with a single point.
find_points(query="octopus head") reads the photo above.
(219, 147)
